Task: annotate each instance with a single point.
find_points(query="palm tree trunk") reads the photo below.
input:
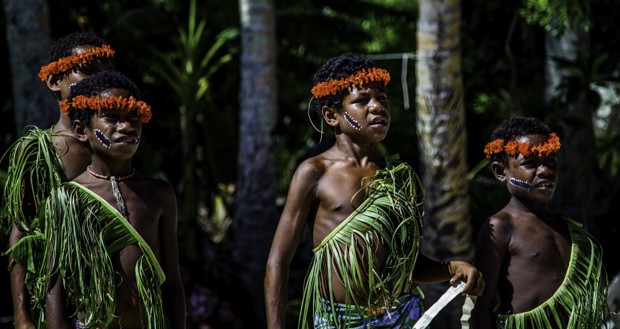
(256, 213)
(29, 39)
(442, 138)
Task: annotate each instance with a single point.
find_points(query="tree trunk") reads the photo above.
(29, 38)
(577, 158)
(442, 139)
(256, 212)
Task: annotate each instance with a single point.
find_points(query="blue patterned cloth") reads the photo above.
(404, 315)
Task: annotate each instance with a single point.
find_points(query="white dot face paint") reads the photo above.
(520, 183)
(103, 138)
(352, 121)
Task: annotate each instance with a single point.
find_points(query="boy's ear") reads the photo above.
(79, 129)
(330, 115)
(52, 83)
(499, 171)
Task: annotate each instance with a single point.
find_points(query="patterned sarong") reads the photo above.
(404, 315)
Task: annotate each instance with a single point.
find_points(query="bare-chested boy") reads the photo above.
(41, 159)
(364, 216)
(112, 237)
(542, 269)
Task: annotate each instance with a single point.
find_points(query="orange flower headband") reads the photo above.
(552, 145)
(68, 63)
(333, 86)
(97, 103)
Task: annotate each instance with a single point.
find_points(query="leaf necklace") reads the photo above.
(116, 191)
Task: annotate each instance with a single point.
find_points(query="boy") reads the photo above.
(40, 160)
(111, 227)
(544, 270)
(364, 216)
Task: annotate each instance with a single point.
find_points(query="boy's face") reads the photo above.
(532, 178)
(366, 113)
(115, 133)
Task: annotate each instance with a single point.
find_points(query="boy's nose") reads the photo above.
(376, 107)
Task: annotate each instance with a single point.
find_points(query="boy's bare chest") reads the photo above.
(142, 209)
(541, 244)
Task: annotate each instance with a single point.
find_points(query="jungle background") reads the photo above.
(229, 84)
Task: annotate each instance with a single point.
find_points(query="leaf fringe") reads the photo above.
(391, 215)
(581, 300)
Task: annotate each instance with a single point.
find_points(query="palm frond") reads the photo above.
(390, 215)
(35, 167)
(581, 299)
(82, 232)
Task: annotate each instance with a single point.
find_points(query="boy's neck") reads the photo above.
(359, 151)
(63, 124)
(100, 168)
(538, 209)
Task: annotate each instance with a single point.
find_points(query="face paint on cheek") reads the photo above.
(103, 138)
(352, 121)
(520, 184)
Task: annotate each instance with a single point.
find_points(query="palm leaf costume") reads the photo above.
(581, 299)
(35, 169)
(79, 222)
(70, 221)
(34, 164)
(389, 216)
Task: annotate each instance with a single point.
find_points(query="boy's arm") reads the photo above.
(428, 271)
(172, 289)
(21, 312)
(491, 248)
(56, 316)
(301, 196)
(21, 297)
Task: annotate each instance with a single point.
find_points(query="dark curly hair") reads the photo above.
(335, 68)
(95, 85)
(513, 128)
(67, 45)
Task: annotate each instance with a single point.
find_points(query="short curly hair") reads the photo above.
(95, 85)
(335, 68)
(513, 128)
(67, 45)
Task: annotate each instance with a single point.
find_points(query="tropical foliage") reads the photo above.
(185, 58)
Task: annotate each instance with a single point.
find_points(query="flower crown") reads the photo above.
(333, 86)
(97, 103)
(552, 145)
(70, 62)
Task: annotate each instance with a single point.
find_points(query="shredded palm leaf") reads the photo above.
(581, 299)
(390, 216)
(34, 165)
(83, 231)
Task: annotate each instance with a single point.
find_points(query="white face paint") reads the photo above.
(103, 138)
(520, 183)
(352, 121)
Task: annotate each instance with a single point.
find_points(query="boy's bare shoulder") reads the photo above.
(502, 221)
(157, 184)
(313, 167)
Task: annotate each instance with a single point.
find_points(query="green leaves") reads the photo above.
(389, 218)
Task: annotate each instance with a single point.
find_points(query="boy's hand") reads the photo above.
(463, 271)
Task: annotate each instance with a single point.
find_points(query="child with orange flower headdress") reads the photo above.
(542, 269)
(112, 230)
(364, 214)
(41, 159)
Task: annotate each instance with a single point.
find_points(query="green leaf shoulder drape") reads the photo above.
(581, 299)
(391, 215)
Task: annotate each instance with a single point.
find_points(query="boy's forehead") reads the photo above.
(367, 87)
